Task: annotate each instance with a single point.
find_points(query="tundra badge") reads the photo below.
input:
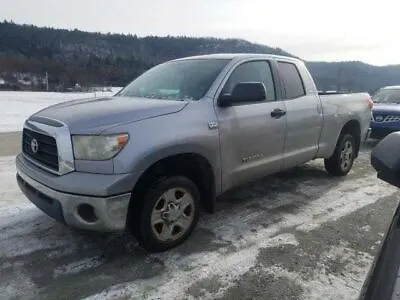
(212, 125)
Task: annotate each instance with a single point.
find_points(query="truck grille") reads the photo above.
(40, 148)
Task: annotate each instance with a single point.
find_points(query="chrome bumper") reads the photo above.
(101, 213)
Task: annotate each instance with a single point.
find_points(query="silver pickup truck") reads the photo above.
(149, 158)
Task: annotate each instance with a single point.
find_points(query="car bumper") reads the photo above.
(99, 213)
(381, 129)
(379, 133)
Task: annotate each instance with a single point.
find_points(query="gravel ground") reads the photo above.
(300, 234)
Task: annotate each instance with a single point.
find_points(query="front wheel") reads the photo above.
(169, 213)
(341, 161)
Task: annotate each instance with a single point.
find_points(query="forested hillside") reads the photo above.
(353, 76)
(73, 57)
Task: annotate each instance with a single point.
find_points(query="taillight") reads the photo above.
(370, 103)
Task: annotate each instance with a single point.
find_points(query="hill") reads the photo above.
(353, 76)
(86, 58)
(71, 56)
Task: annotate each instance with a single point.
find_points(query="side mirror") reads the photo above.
(385, 158)
(244, 92)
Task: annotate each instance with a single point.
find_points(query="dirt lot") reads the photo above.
(299, 235)
(9, 143)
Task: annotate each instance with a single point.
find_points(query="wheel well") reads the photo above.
(193, 166)
(353, 127)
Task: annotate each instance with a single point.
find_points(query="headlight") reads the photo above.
(98, 147)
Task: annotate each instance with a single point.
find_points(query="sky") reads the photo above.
(324, 30)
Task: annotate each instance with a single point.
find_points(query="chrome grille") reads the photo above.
(385, 118)
(40, 148)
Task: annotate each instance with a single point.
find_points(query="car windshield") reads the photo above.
(176, 80)
(387, 96)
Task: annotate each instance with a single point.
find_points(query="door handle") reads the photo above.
(277, 113)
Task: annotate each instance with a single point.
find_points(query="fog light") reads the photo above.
(86, 212)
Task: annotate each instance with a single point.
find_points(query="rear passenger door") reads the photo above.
(304, 117)
(252, 134)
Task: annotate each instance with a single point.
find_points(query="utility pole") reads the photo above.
(47, 81)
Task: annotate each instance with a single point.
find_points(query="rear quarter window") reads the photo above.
(291, 79)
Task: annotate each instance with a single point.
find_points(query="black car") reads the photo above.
(383, 280)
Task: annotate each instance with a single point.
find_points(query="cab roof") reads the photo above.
(392, 87)
(238, 56)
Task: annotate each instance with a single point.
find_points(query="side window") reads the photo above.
(254, 71)
(291, 80)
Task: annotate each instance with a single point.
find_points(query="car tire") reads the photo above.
(342, 159)
(169, 213)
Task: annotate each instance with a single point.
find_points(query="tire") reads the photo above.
(164, 222)
(342, 159)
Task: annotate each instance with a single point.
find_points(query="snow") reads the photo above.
(16, 107)
(233, 227)
(326, 285)
(172, 285)
(18, 214)
(78, 266)
(230, 266)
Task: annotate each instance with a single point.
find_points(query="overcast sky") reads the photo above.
(326, 30)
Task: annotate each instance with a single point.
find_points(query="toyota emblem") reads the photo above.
(34, 146)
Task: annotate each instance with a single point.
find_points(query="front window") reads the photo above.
(387, 96)
(177, 80)
(253, 71)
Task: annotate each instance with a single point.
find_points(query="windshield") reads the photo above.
(177, 80)
(387, 96)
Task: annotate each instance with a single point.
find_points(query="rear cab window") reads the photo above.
(291, 80)
(252, 71)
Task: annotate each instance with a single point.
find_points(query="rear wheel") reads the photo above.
(169, 213)
(341, 162)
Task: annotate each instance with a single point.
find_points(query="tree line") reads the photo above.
(73, 57)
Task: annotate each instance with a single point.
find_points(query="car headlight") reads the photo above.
(98, 147)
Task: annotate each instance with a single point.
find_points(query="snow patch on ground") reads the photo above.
(8, 191)
(366, 228)
(349, 197)
(24, 229)
(333, 204)
(327, 285)
(78, 266)
(19, 218)
(16, 107)
(17, 289)
(228, 267)
(14, 207)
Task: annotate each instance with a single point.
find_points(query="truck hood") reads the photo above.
(386, 108)
(95, 115)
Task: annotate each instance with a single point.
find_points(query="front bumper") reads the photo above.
(381, 129)
(379, 133)
(99, 213)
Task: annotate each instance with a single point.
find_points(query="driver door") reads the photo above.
(251, 135)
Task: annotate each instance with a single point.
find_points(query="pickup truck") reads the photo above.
(148, 159)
